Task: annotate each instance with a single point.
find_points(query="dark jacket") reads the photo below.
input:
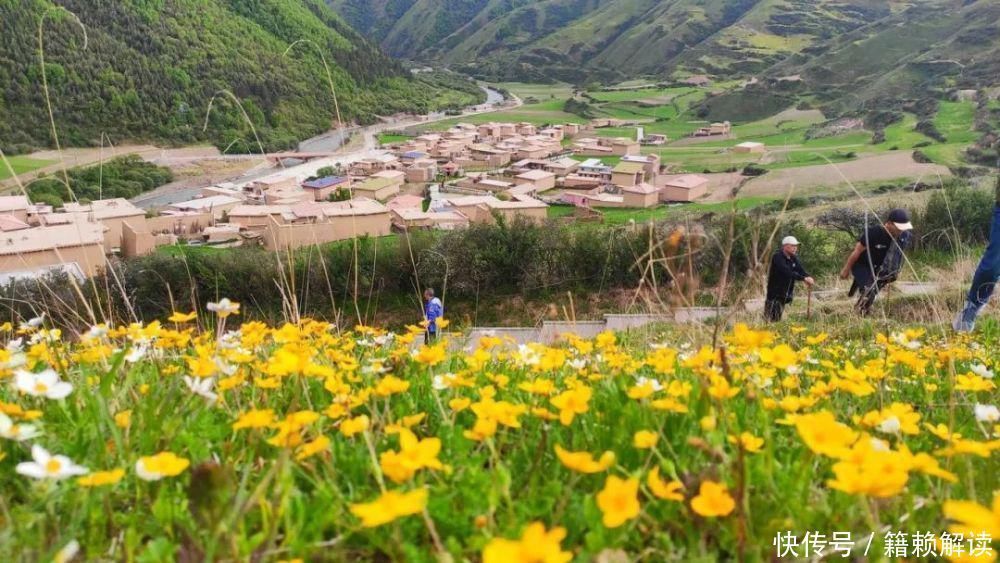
(785, 271)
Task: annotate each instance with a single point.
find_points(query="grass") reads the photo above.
(622, 215)
(21, 165)
(294, 456)
(390, 138)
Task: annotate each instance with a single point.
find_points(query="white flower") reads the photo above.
(135, 354)
(577, 363)
(384, 339)
(224, 307)
(987, 413)
(15, 345)
(231, 339)
(33, 323)
(225, 367)
(95, 332)
(365, 343)
(43, 384)
(654, 383)
(67, 553)
(48, 466)
(527, 355)
(889, 426)
(879, 445)
(982, 371)
(16, 432)
(202, 386)
(439, 383)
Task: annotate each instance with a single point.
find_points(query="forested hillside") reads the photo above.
(151, 67)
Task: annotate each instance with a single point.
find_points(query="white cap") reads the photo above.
(790, 240)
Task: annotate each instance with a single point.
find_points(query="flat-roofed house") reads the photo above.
(640, 195)
(714, 129)
(421, 170)
(323, 188)
(16, 206)
(259, 187)
(627, 173)
(408, 218)
(381, 185)
(217, 205)
(76, 248)
(481, 209)
(686, 187)
(540, 179)
(489, 155)
(650, 163)
(749, 147)
(324, 222)
(562, 166)
(112, 213)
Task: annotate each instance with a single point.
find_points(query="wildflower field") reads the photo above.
(200, 438)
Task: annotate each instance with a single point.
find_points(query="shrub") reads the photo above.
(956, 216)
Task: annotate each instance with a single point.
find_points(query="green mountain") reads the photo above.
(831, 42)
(151, 67)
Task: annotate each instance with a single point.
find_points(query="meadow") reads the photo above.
(200, 438)
(21, 165)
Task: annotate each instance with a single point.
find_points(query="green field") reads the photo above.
(622, 215)
(21, 165)
(390, 138)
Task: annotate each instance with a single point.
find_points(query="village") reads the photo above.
(438, 180)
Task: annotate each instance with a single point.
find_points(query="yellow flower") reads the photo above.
(645, 439)
(583, 462)
(708, 423)
(310, 449)
(99, 478)
(571, 403)
(823, 434)
(255, 419)
(662, 489)
(442, 323)
(163, 464)
(748, 442)
(781, 356)
(390, 506)
(459, 404)
(352, 426)
(713, 500)
(178, 317)
(619, 501)
(535, 546)
(973, 518)
(818, 339)
(431, 355)
(123, 419)
(390, 385)
(413, 455)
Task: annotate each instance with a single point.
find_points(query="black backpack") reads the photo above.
(893, 263)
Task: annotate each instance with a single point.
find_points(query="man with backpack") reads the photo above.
(877, 258)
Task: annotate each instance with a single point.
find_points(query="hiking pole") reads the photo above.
(809, 303)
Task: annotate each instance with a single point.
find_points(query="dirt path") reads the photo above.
(881, 167)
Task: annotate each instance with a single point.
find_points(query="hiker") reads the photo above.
(785, 271)
(877, 258)
(985, 279)
(433, 309)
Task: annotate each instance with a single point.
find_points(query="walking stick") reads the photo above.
(809, 303)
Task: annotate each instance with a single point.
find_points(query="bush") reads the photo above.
(955, 216)
(754, 170)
